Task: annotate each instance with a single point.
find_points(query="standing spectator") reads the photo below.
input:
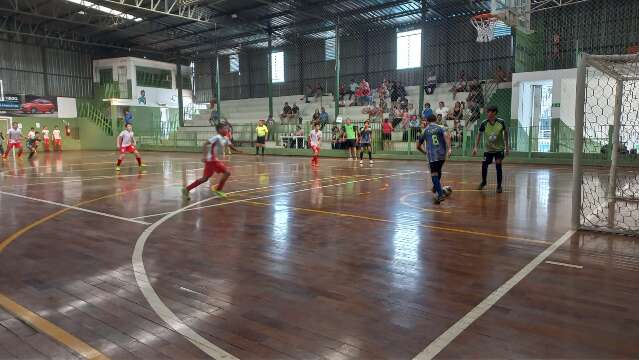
(431, 83)
(394, 94)
(351, 137)
(382, 93)
(387, 133)
(397, 116)
(286, 114)
(270, 124)
(442, 110)
(308, 92)
(128, 118)
(401, 90)
(365, 93)
(323, 118)
(405, 125)
(427, 111)
(335, 135)
(403, 104)
(414, 127)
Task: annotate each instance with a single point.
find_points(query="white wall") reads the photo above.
(564, 91)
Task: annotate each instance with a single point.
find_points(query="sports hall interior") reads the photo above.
(348, 259)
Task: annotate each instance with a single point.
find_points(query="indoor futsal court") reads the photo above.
(319, 179)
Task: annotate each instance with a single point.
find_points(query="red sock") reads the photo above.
(220, 185)
(139, 159)
(119, 162)
(196, 183)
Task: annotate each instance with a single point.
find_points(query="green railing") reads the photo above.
(525, 142)
(95, 111)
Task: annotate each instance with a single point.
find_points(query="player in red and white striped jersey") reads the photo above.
(126, 144)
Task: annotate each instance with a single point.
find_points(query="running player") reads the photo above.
(262, 131)
(32, 144)
(315, 139)
(495, 135)
(45, 138)
(14, 136)
(31, 134)
(213, 151)
(439, 148)
(126, 144)
(57, 139)
(365, 143)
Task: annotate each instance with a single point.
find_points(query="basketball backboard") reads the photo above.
(515, 13)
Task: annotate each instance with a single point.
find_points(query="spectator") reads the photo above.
(460, 85)
(316, 118)
(351, 89)
(300, 140)
(442, 110)
(317, 92)
(335, 136)
(427, 111)
(403, 104)
(295, 114)
(365, 93)
(405, 125)
(382, 94)
(342, 92)
(401, 90)
(270, 125)
(307, 93)
(500, 74)
(456, 116)
(387, 133)
(397, 116)
(394, 94)
(475, 113)
(128, 118)
(431, 83)
(414, 127)
(286, 114)
(323, 118)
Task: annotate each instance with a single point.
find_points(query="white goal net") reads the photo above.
(606, 166)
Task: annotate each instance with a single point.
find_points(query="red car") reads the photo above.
(38, 106)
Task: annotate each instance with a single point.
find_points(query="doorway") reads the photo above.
(536, 113)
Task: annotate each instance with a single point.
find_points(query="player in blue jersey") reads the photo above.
(438, 145)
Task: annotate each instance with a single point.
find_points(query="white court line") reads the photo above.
(75, 208)
(564, 264)
(449, 335)
(144, 283)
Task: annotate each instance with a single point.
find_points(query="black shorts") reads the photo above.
(436, 166)
(387, 136)
(364, 145)
(261, 140)
(489, 156)
(350, 143)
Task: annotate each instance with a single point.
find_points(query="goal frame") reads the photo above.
(596, 62)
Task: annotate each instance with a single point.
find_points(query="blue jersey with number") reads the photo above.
(433, 136)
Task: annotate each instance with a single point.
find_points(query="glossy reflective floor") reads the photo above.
(347, 261)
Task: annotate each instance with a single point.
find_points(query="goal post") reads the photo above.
(606, 198)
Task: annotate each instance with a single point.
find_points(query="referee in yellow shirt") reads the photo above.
(261, 130)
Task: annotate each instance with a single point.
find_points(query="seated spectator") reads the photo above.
(500, 74)
(440, 120)
(299, 131)
(352, 87)
(364, 92)
(455, 116)
(307, 93)
(431, 83)
(287, 113)
(460, 85)
(387, 133)
(442, 110)
(316, 117)
(403, 103)
(323, 118)
(427, 111)
(342, 92)
(295, 114)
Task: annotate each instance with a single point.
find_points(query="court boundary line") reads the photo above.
(72, 207)
(50, 329)
(443, 340)
(144, 282)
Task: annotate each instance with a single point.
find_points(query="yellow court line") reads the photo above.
(46, 327)
(439, 228)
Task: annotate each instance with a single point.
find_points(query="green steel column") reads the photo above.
(269, 81)
(218, 86)
(337, 69)
(178, 80)
(421, 87)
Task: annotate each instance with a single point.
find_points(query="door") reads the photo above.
(541, 116)
(122, 82)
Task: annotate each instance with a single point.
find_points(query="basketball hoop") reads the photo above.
(485, 25)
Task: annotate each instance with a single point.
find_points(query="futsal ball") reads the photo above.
(447, 190)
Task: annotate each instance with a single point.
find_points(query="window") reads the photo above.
(329, 49)
(234, 63)
(409, 49)
(501, 29)
(277, 67)
(153, 77)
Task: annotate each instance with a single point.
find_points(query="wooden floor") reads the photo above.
(342, 262)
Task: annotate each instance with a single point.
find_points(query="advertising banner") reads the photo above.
(29, 105)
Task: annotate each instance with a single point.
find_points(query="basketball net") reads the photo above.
(485, 26)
